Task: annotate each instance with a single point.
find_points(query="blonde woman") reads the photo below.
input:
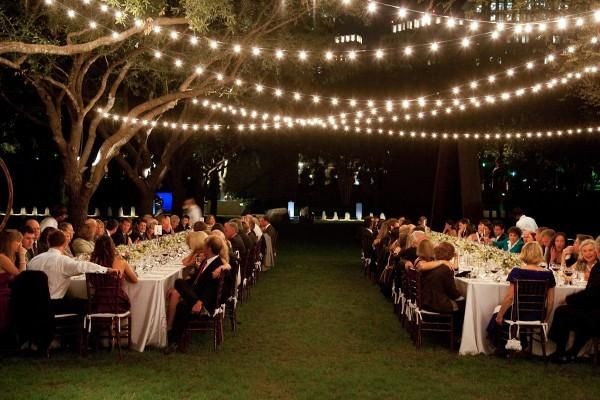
(588, 257)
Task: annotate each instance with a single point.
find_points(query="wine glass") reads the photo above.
(568, 273)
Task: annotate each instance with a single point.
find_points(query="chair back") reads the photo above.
(529, 303)
(31, 308)
(412, 280)
(103, 293)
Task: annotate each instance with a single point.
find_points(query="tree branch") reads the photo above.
(72, 49)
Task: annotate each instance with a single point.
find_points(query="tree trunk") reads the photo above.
(145, 200)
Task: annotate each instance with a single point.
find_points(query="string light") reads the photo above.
(477, 136)
(575, 20)
(353, 103)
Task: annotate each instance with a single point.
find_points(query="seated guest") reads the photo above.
(254, 226)
(185, 223)
(531, 257)
(425, 253)
(57, 215)
(165, 222)
(100, 229)
(200, 226)
(514, 244)
(84, 244)
(176, 223)
(139, 232)
(121, 236)
(93, 223)
(464, 228)
(483, 233)
(237, 243)
(111, 227)
(106, 255)
(499, 235)
(544, 237)
(528, 237)
(217, 227)
(588, 257)
(199, 295)
(249, 234)
(13, 256)
(43, 243)
(571, 253)
(449, 228)
(35, 226)
(580, 314)
(210, 221)
(12, 262)
(69, 232)
(151, 229)
(556, 248)
(409, 254)
(195, 242)
(60, 269)
(439, 292)
(27, 242)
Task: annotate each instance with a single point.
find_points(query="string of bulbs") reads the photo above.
(303, 56)
(477, 136)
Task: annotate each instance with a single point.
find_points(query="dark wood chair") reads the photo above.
(528, 313)
(425, 320)
(208, 323)
(106, 311)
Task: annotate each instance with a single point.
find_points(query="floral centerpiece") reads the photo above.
(164, 248)
(479, 253)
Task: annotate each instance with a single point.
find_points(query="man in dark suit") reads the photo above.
(198, 294)
(237, 243)
(35, 226)
(27, 242)
(121, 236)
(265, 225)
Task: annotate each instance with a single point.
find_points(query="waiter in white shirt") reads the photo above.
(524, 223)
(59, 269)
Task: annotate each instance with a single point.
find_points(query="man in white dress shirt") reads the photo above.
(524, 223)
(59, 269)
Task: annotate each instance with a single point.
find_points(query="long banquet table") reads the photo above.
(148, 304)
(482, 296)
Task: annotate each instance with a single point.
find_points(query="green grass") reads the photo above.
(314, 328)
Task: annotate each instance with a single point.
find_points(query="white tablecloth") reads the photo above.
(148, 304)
(481, 299)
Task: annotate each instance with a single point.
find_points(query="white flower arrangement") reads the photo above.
(161, 246)
(478, 253)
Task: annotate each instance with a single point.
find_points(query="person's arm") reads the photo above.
(22, 259)
(428, 265)
(549, 303)
(189, 259)
(7, 265)
(130, 276)
(75, 267)
(508, 298)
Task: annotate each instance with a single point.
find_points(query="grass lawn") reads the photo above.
(314, 328)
